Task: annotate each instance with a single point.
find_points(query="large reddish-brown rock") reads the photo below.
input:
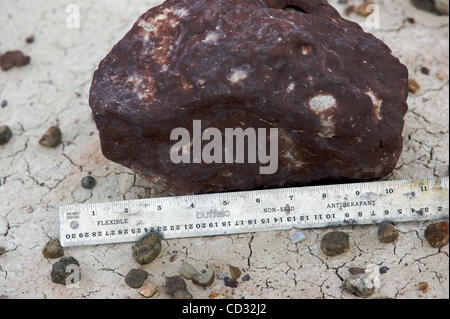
(336, 93)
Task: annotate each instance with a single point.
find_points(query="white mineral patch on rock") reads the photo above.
(322, 103)
(237, 75)
(377, 103)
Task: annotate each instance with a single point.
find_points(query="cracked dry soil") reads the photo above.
(34, 180)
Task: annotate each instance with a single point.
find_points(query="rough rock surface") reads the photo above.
(335, 93)
(60, 272)
(136, 278)
(387, 233)
(335, 243)
(174, 284)
(54, 89)
(147, 248)
(437, 234)
(359, 285)
(53, 249)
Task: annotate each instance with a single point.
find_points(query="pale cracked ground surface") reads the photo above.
(34, 181)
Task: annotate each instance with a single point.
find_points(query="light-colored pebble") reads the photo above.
(296, 236)
(187, 271)
(204, 279)
(148, 290)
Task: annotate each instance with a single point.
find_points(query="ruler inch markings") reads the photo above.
(255, 211)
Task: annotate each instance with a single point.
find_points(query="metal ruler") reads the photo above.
(255, 211)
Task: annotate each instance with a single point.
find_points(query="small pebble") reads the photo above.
(296, 236)
(387, 233)
(173, 258)
(29, 39)
(383, 270)
(174, 284)
(217, 295)
(147, 248)
(425, 70)
(423, 286)
(182, 294)
(411, 20)
(11, 59)
(88, 182)
(363, 9)
(356, 271)
(204, 279)
(234, 272)
(230, 282)
(349, 10)
(5, 134)
(335, 243)
(187, 271)
(2, 250)
(53, 249)
(246, 277)
(136, 277)
(360, 285)
(4, 103)
(437, 234)
(51, 138)
(413, 86)
(59, 274)
(148, 290)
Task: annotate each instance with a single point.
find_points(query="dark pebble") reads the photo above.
(135, 278)
(356, 271)
(88, 182)
(147, 248)
(383, 270)
(10, 59)
(4, 103)
(2, 250)
(425, 70)
(387, 233)
(174, 284)
(411, 20)
(230, 282)
(246, 277)
(59, 274)
(53, 249)
(29, 39)
(5, 134)
(335, 243)
(51, 138)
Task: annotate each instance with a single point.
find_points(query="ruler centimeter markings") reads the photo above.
(254, 211)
